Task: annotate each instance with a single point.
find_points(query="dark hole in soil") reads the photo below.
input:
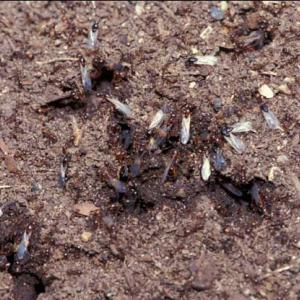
(28, 285)
(252, 193)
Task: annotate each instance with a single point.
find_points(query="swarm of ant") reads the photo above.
(168, 131)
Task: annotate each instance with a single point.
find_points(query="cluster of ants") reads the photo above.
(159, 123)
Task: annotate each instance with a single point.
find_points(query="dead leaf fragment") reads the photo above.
(85, 209)
(3, 147)
(11, 164)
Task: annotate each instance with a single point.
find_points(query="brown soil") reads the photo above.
(181, 239)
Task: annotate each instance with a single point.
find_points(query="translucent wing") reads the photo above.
(157, 120)
(118, 185)
(219, 160)
(271, 120)
(240, 127)
(185, 130)
(86, 79)
(206, 60)
(93, 33)
(123, 108)
(235, 143)
(205, 170)
(22, 248)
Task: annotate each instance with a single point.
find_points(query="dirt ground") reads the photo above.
(174, 238)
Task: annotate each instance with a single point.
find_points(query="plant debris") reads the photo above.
(85, 208)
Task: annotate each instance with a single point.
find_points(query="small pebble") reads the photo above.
(217, 13)
(194, 50)
(57, 43)
(271, 174)
(224, 5)
(285, 89)
(192, 84)
(266, 91)
(86, 236)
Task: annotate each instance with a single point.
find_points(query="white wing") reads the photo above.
(123, 108)
(235, 143)
(240, 127)
(205, 170)
(157, 120)
(206, 60)
(185, 130)
(271, 120)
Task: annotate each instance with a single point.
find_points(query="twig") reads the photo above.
(13, 187)
(277, 271)
(58, 59)
(5, 187)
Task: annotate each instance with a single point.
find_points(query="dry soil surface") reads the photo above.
(113, 227)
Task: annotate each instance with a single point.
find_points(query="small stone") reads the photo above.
(57, 43)
(38, 75)
(298, 245)
(192, 84)
(271, 174)
(217, 13)
(159, 216)
(266, 91)
(289, 79)
(86, 236)
(224, 5)
(285, 89)
(194, 50)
